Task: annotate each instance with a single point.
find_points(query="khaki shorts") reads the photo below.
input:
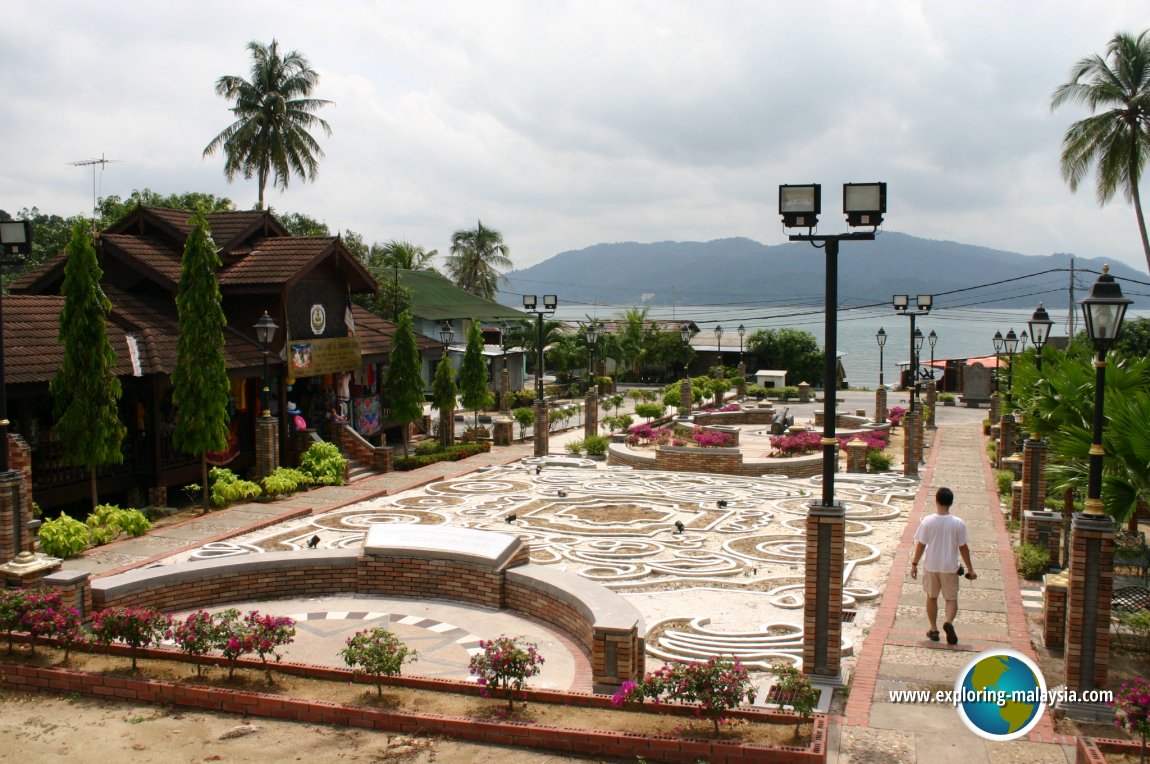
(940, 583)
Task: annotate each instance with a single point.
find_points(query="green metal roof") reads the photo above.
(434, 297)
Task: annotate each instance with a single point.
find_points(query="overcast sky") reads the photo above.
(566, 124)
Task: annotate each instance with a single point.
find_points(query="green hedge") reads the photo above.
(449, 454)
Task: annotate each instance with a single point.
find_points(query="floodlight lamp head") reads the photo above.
(900, 302)
(864, 204)
(529, 302)
(925, 302)
(800, 205)
(550, 302)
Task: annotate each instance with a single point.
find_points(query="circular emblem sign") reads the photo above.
(318, 319)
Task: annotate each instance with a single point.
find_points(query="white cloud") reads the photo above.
(564, 124)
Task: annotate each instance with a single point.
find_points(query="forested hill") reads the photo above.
(742, 270)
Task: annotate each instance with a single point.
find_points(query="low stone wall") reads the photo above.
(746, 416)
(474, 567)
(721, 461)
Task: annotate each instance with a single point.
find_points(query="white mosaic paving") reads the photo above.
(731, 580)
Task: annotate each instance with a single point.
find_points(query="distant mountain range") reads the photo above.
(735, 270)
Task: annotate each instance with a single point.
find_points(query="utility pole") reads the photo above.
(1071, 313)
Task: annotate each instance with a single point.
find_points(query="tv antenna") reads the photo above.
(93, 163)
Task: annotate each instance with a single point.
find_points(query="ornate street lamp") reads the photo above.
(719, 342)
(742, 331)
(932, 338)
(15, 244)
(446, 335)
(530, 305)
(1040, 324)
(1103, 310)
(880, 337)
(799, 206)
(593, 330)
(997, 352)
(1022, 339)
(685, 334)
(1010, 346)
(265, 332)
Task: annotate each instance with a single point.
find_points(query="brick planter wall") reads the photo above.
(746, 416)
(523, 734)
(808, 465)
(1090, 750)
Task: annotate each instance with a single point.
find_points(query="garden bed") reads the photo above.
(550, 720)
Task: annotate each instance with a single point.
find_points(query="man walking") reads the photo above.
(943, 549)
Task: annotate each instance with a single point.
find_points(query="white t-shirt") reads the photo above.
(943, 535)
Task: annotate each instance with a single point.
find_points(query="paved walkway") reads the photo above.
(897, 655)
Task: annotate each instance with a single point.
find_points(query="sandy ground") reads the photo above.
(43, 728)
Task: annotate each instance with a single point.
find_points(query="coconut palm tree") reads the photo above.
(273, 113)
(1117, 140)
(476, 253)
(402, 255)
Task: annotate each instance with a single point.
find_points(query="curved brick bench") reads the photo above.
(428, 562)
(721, 461)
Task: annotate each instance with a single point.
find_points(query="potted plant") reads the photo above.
(946, 399)
(596, 447)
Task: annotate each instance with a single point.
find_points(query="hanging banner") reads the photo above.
(310, 358)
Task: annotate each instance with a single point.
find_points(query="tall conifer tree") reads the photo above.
(443, 394)
(85, 389)
(200, 379)
(473, 373)
(403, 382)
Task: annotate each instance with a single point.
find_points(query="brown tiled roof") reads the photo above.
(376, 335)
(153, 254)
(32, 352)
(226, 226)
(275, 261)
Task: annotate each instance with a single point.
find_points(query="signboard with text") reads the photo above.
(310, 358)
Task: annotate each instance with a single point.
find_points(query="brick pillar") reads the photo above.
(909, 451)
(993, 407)
(1054, 611)
(505, 389)
(1043, 529)
(542, 429)
(503, 431)
(823, 591)
(1088, 602)
(856, 456)
(1016, 501)
(920, 436)
(742, 389)
(267, 446)
(385, 459)
(1006, 438)
(880, 407)
(686, 398)
(14, 515)
(1034, 455)
(805, 392)
(931, 402)
(75, 590)
(591, 414)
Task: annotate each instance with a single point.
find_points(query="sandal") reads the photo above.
(951, 636)
(932, 635)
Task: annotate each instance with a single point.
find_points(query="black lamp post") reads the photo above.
(593, 329)
(1040, 324)
(446, 335)
(880, 337)
(799, 206)
(1103, 310)
(719, 342)
(998, 345)
(265, 332)
(932, 339)
(742, 331)
(530, 305)
(685, 333)
(918, 340)
(1010, 346)
(1022, 340)
(15, 244)
(901, 303)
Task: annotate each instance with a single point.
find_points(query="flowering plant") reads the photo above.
(1132, 710)
(12, 607)
(717, 685)
(136, 626)
(895, 415)
(875, 440)
(378, 653)
(794, 688)
(505, 664)
(267, 633)
(794, 445)
(46, 616)
(707, 439)
(197, 635)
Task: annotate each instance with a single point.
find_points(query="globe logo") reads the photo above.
(1000, 694)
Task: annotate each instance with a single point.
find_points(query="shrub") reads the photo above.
(756, 391)
(650, 411)
(947, 397)
(1004, 479)
(197, 636)
(285, 480)
(450, 454)
(526, 418)
(227, 487)
(12, 607)
(672, 397)
(108, 521)
(427, 448)
(789, 391)
(377, 653)
(64, 537)
(717, 685)
(794, 445)
(794, 689)
(267, 634)
(878, 461)
(39, 615)
(505, 665)
(595, 445)
(1032, 560)
(738, 381)
(134, 626)
(620, 422)
(324, 463)
(574, 447)
(1134, 629)
(895, 415)
(1132, 709)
